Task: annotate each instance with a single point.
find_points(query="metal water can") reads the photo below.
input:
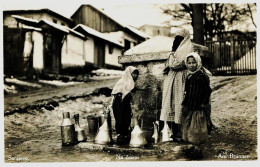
(80, 132)
(156, 131)
(166, 133)
(104, 135)
(137, 136)
(106, 116)
(67, 130)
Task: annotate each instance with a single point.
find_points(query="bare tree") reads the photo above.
(198, 26)
(217, 17)
(251, 13)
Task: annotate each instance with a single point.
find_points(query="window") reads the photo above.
(54, 21)
(127, 45)
(63, 24)
(110, 49)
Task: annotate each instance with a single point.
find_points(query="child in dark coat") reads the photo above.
(195, 116)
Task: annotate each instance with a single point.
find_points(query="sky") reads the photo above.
(135, 14)
(131, 12)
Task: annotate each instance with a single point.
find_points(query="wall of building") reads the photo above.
(54, 19)
(37, 50)
(72, 53)
(89, 50)
(111, 59)
(92, 18)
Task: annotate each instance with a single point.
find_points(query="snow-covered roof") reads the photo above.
(98, 34)
(158, 44)
(155, 44)
(24, 18)
(135, 31)
(56, 26)
(31, 28)
(60, 27)
(27, 10)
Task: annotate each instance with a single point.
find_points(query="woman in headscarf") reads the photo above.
(195, 117)
(173, 87)
(121, 104)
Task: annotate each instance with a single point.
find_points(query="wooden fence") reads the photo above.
(233, 57)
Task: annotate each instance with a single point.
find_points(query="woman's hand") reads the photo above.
(166, 70)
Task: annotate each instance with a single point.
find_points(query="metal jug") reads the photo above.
(137, 136)
(80, 132)
(104, 116)
(104, 135)
(67, 130)
(156, 131)
(166, 133)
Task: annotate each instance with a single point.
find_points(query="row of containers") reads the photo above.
(72, 133)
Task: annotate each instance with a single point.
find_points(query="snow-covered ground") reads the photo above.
(107, 72)
(59, 82)
(11, 85)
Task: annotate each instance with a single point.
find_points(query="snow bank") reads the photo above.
(107, 72)
(10, 89)
(58, 82)
(22, 83)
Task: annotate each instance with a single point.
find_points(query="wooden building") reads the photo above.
(46, 14)
(40, 45)
(98, 20)
(45, 41)
(102, 50)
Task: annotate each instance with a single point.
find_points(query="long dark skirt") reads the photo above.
(194, 126)
(122, 113)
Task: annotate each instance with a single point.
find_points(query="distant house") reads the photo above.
(41, 45)
(44, 41)
(153, 30)
(101, 50)
(98, 20)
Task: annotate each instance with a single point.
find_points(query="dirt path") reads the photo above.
(34, 136)
(234, 113)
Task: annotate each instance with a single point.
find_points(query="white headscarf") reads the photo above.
(199, 63)
(183, 49)
(126, 83)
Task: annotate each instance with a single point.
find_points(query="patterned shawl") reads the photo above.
(173, 86)
(185, 47)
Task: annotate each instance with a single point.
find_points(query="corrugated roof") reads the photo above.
(98, 34)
